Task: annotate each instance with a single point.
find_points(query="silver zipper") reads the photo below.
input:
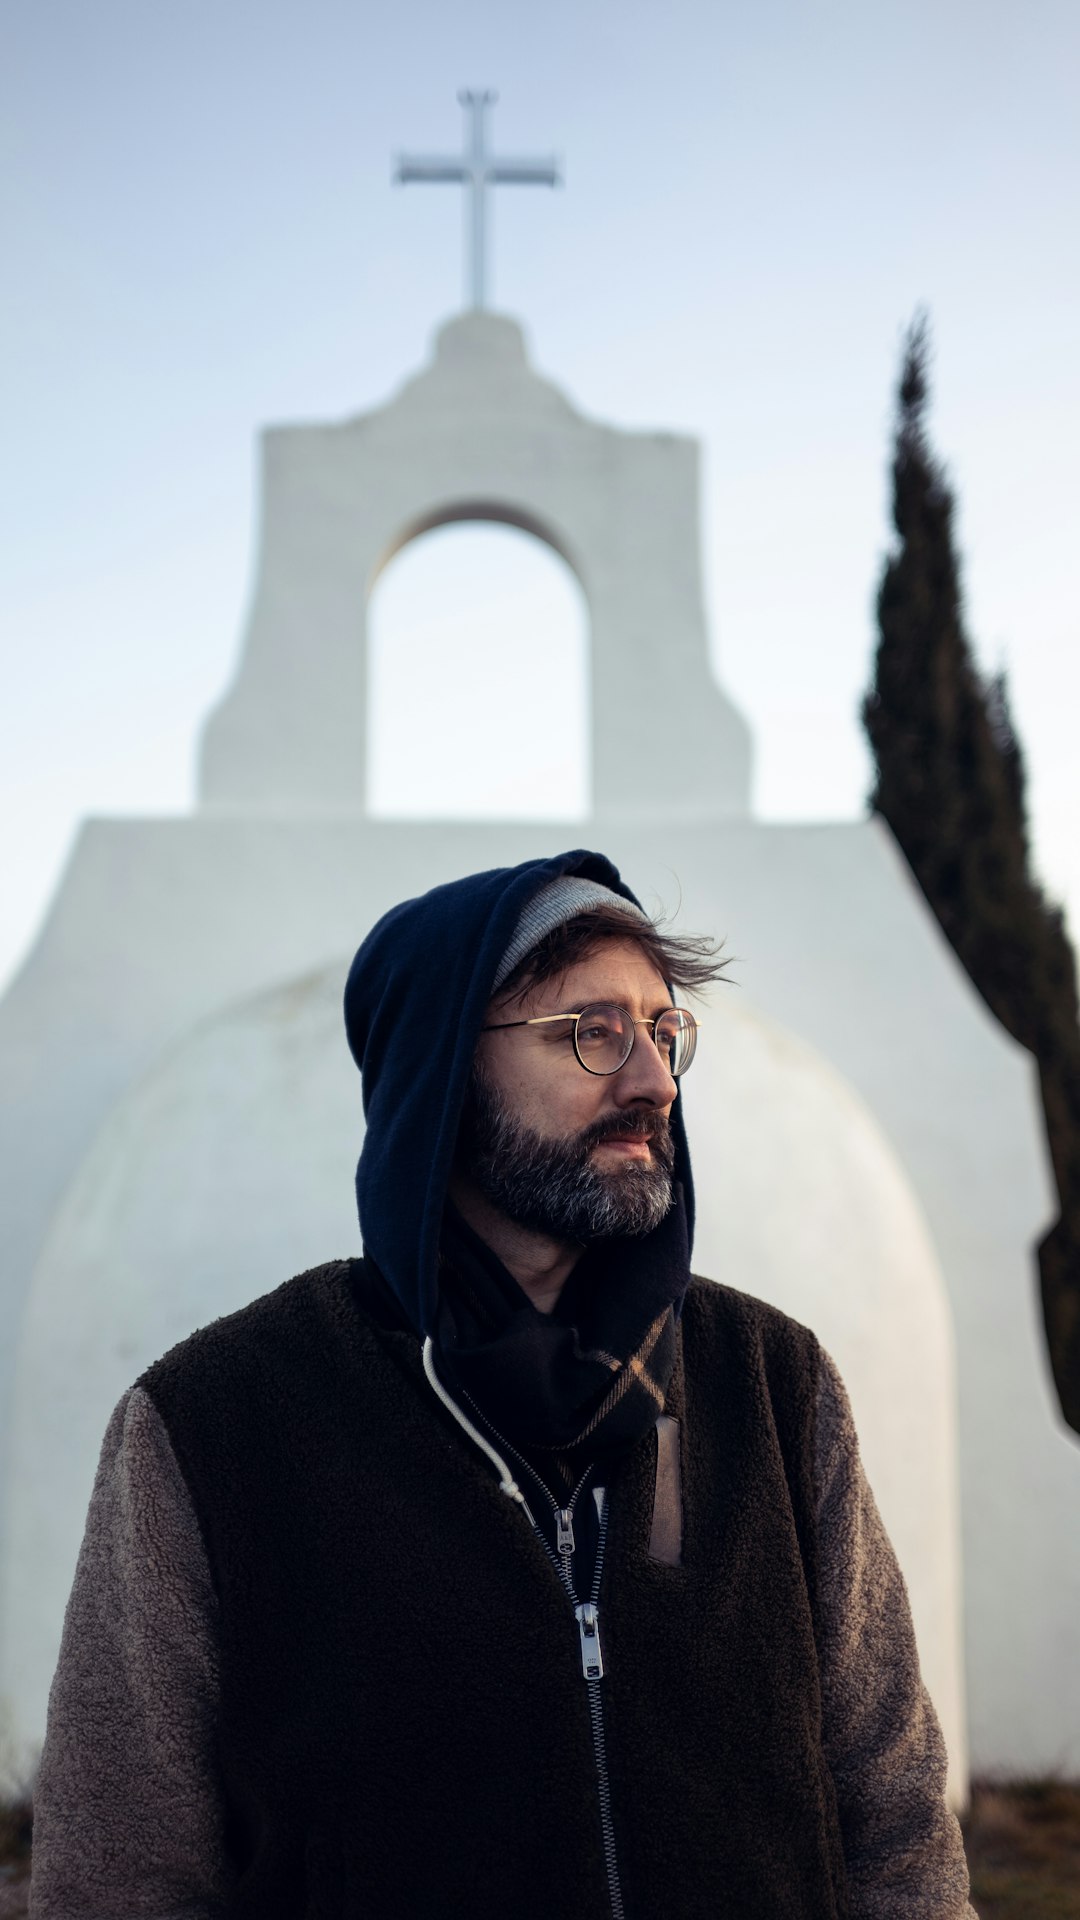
(596, 1715)
(592, 1659)
(589, 1636)
(565, 1542)
(587, 1615)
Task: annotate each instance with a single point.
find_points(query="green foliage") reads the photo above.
(950, 783)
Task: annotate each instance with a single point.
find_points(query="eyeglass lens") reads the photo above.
(605, 1035)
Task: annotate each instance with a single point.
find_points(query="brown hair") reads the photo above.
(684, 960)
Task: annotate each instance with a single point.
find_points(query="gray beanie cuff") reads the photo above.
(561, 900)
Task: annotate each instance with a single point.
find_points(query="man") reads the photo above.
(508, 1571)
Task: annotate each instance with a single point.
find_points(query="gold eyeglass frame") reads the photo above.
(604, 1073)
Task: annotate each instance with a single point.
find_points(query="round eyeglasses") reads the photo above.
(604, 1035)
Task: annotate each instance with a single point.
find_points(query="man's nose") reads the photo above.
(645, 1075)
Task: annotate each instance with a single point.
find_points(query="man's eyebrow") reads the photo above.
(571, 1012)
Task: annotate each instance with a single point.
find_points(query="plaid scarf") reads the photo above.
(591, 1375)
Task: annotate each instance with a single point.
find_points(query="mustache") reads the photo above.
(642, 1125)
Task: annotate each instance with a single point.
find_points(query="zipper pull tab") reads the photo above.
(564, 1530)
(592, 1660)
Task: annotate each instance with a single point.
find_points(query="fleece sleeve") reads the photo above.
(902, 1845)
(127, 1806)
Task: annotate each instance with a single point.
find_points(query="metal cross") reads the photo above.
(477, 170)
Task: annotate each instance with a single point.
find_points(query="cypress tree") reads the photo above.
(950, 784)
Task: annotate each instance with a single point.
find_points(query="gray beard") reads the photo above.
(550, 1186)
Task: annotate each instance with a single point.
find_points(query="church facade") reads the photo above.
(181, 1119)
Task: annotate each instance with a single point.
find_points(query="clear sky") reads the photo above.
(200, 237)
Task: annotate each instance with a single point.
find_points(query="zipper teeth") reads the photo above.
(601, 1543)
(596, 1716)
(509, 1447)
(596, 1703)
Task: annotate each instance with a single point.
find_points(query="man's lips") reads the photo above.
(633, 1146)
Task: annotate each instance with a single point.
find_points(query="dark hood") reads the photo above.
(415, 1001)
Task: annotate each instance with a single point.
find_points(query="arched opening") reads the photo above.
(478, 686)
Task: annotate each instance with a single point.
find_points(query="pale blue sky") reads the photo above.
(200, 237)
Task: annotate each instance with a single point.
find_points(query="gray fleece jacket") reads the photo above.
(128, 1809)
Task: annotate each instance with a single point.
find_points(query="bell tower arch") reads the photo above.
(478, 697)
(477, 435)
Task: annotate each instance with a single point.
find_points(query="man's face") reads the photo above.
(567, 1153)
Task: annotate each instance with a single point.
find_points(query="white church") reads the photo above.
(180, 1117)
